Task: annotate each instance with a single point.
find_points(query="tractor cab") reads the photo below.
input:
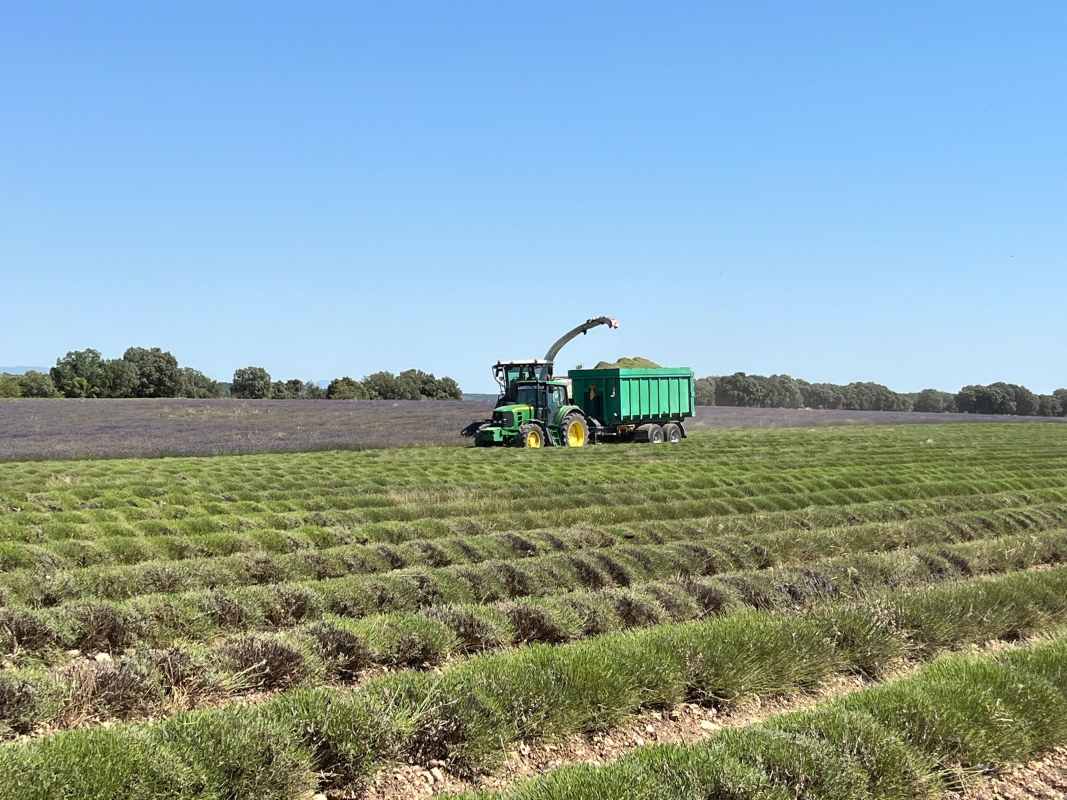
(545, 398)
(509, 374)
(535, 413)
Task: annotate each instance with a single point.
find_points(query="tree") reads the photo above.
(37, 384)
(1061, 395)
(934, 401)
(1026, 402)
(739, 389)
(120, 378)
(194, 383)
(1049, 406)
(448, 389)
(782, 391)
(867, 396)
(10, 385)
(291, 389)
(967, 399)
(346, 388)
(705, 391)
(414, 384)
(382, 386)
(821, 395)
(997, 398)
(312, 391)
(251, 383)
(157, 371)
(80, 373)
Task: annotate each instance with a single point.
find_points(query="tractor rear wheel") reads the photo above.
(531, 435)
(574, 432)
(672, 433)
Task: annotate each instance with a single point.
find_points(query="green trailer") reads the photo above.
(590, 406)
(647, 404)
(536, 409)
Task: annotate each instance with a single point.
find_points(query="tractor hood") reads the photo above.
(515, 409)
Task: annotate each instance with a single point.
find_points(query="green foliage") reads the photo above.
(411, 384)
(705, 391)
(383, 386)
(866, 396)
(1061, 395)
(822, 395)
(783, 391)
(251, 383)
(1049, 405)
(80, 373)
(157, 371)
(934, 401)
(757, 391)
(120, 378)
(346, 388)
(997, 398)
(10, 386)
(193, 383)
(414, 384)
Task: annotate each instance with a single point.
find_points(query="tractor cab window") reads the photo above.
(526, 394)
(555, 399)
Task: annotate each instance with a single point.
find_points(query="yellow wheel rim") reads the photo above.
(533, 439)
(576, 435)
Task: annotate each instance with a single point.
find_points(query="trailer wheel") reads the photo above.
(649, 432)
(672, 433)
(573, 431)
(530, 435)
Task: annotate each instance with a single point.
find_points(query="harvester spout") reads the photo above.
(586, 326)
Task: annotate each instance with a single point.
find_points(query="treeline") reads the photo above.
(785, 391)
(411, 384)
(152, 372)
(141, 372)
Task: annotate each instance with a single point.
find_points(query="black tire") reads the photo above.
(574, 431)
(528, 434)
(649, 432)
(672, 434)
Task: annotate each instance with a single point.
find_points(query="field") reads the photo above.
(137, 428)
(836, 612)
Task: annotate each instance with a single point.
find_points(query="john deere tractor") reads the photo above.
(609, 403)
(535, 409)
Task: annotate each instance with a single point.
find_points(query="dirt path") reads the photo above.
(1043, 779)
(683, 724)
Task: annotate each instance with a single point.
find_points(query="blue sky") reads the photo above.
(835, 190)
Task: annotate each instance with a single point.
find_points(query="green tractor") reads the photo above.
(534, 409)
(534, 413)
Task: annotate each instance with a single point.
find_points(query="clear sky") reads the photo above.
(836, 190)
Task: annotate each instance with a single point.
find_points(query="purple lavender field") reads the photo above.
(35, 429)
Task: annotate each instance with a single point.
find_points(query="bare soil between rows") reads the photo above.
(43, 429)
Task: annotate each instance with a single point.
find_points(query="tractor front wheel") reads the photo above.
(531, 435)
(574, 432)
